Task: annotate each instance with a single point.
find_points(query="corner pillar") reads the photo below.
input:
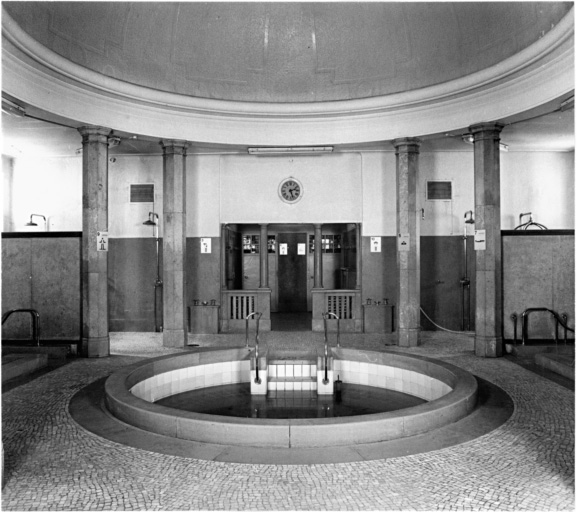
(318, 258)
(263, 256)
(488, 279)
(408, 243)
(174, 243)
(95, 337)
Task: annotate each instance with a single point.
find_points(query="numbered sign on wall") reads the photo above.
(283, 249)
(375, 244)
(301, 249)
(480, 240)
(102, 241)
(205, 245)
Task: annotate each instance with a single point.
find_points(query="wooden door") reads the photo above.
(292, 273)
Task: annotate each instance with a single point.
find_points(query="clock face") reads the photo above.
(290, 190)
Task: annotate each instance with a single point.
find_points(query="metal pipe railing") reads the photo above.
(559, 320)
(325, 318)
(35, 321)
(514, 318)
(257, 315)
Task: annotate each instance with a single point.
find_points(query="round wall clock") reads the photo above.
(290, 190)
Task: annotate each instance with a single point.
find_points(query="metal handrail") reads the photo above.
(528, 223)
(560, 319)
(35, 321)
(258, 315)
(325, 318)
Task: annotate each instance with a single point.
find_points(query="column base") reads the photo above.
(488, 346)
(96, 347)
(175, 338)
(409, 337)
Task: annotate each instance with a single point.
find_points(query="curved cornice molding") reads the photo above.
(41, 77)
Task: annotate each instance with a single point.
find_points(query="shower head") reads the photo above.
(150, 221)
(469, 220)
(32, 223)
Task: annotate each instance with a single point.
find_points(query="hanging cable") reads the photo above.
(468, 333)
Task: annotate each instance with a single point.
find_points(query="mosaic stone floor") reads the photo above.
(51, 463)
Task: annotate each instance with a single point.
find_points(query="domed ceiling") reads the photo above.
(286, 52)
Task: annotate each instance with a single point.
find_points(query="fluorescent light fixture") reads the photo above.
(290, 150)
(503, 147)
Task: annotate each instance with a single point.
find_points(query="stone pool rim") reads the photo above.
(290, 433)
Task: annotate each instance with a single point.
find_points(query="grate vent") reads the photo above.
(142, 193)
(439, 190)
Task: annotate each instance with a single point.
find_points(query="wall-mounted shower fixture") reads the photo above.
(32, 223)
(529, 223)
(158, 283)
(465, 281)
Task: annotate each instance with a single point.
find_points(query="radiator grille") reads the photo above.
(241, 306)
(340, 305)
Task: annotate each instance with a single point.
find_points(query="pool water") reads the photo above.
(236, 400)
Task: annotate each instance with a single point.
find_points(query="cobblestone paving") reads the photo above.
(51, 463)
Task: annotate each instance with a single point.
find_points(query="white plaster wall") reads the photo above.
(539, 182)
(379, 193)
(125, 218)
(332, 189)
(445, 218)
(203, 196)
(346, 187)
(47, 186)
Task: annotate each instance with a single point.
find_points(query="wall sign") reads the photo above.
(206, 245)
(102, 241)
(480, 240)
(301, 249)
(375, 244)
(403, 242)
(283, 249)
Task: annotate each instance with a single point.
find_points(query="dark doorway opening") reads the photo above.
(291, 322)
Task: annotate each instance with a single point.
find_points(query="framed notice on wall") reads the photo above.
(375, 244)
(205, 245)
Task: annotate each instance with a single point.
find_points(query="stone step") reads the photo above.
(306, 369)
(294, 384)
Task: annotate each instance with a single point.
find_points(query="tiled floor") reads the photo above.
(51, 463)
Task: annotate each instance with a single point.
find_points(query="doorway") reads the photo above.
(292, 272)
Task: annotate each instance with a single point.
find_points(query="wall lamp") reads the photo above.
(32, 223)
(307, 150)
(469, 139)
(150, 221)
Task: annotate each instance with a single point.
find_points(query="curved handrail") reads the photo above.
(325, 318)
(529, 222)
(35, 321)
(561, 319)
(257, 315)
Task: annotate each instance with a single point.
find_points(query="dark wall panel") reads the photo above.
(442, 267)
(202, 271)
(42, 272)
(538, 271)
(131, 278)
(379, 270)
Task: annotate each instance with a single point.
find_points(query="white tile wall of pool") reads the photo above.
(232, 372)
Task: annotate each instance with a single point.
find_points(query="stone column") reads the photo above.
(263, 256)
(408, 243)
(318, 281)
(174, 243)
(95, 338)
(489, 304)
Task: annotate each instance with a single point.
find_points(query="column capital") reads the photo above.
(174, 146)
(407, 145)
(318, 226)
(484, 131)
(93, 133)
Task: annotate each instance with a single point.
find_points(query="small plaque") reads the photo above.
(206, 245)
(102, 241)
(375, 244)
(404, 242)
(480, 240)
(283, 249)
(302, 249)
